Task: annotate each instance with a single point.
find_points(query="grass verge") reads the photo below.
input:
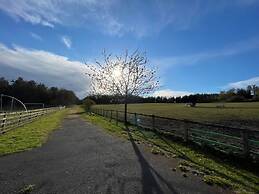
(213, 171)
(30, 135)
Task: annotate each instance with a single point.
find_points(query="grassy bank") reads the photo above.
(30, 135)
(210, 169)
(233, 114)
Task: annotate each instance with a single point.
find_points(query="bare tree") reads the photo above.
(123, 76)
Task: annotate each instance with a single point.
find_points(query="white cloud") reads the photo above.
(35, 12)
(45, 23)
(36, 36)
(117, 17)
(230, 50)
(244, 83)
(170, 93)
(43, 66)
(67, 12)
(67, 41)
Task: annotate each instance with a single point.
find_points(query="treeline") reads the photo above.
(109, 99)
(32, 92)
(251, 93)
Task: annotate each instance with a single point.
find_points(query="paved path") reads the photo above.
(82, 158)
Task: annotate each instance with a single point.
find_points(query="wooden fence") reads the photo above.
(236, 141)
(10, 120)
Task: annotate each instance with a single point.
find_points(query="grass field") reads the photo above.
(245, 115)
(30, 135)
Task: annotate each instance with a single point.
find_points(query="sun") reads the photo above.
(116, 72)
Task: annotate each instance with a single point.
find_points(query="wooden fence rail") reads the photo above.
(236, 141)
(10, 120)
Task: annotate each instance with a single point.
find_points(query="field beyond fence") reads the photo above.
(11, 120)
(237, 115)
(235, 141)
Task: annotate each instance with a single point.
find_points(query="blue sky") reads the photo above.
(197, 45)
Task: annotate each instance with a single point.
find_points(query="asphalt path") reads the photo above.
(83, 158)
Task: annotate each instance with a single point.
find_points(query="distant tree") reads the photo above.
(246, 94)
(254, 89)
(87, 103)
(249, 89)
(32, 92)
(227, 95)
(257, 94)
(4, 86)
(178, 99)
(123, 76)
(222, 96)
(193, 100)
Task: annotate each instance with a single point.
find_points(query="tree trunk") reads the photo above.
(125, 110)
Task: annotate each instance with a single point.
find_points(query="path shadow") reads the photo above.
(149, 174)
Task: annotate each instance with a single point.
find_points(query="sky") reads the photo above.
(198, 46)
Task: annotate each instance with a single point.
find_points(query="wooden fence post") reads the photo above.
(20, 117)
(245, 143)
(3, 123)
(186, 134)
(153, 122)
(135, 119)
(116, 117)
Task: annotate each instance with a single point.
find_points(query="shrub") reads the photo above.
(87, 103)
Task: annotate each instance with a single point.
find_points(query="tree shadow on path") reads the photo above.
(149, 174)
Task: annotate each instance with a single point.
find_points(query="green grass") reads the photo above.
(30, 135)
(212, 170)
(27, 189)
(233, 114)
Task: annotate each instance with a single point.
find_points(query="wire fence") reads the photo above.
(11, 120)
(236, 141)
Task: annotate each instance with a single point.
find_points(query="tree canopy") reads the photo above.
(123, 76)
